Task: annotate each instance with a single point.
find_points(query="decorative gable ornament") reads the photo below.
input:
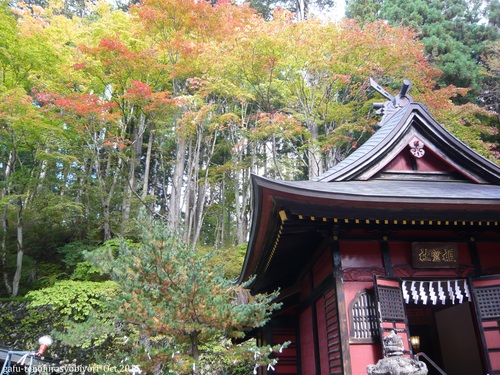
(416, 147)
(388, 108)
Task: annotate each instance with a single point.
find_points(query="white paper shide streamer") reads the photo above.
(446, 291)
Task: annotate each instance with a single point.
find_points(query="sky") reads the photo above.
(335, 14)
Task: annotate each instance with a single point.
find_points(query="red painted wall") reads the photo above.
(287, 359)
(360, 260)
(307, 342)
(360, 255)
(323, 267)
(361, 354)
(323, 347)
(489, 256)
(429, 162)
(401, 259)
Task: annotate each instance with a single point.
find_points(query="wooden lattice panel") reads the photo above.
(391, 304)
(486, 293)
(488, 302)
(364, 324)
(333, 333)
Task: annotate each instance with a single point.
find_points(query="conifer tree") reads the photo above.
(454, 33)
(181, 306)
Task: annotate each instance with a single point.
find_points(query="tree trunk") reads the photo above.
(202, 190)
(20, 251)
(240, 197)
(8, 286)
(137, 138)
(195, 352)
(43, 172)
(302, 9)
(176, 193)
(106, 194)
(145, 183)
(7, 173)
(313, 152)
(191, 189)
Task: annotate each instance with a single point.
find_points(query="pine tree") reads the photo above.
(363, 11)
(454, 33)
(181, 306)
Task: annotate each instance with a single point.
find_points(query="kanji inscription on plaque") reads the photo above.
(435, 254)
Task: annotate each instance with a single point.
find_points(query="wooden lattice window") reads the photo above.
(391, 304)
(363, 318)
(488, 302)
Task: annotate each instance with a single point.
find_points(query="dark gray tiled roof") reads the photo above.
(416, 118)
(387, 190)
(368, 147)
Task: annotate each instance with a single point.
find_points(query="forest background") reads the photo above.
(164, 108)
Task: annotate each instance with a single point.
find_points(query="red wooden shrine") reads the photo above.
(403, 234)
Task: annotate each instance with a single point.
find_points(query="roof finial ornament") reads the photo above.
(393, 104)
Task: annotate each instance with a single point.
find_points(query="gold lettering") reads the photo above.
(433, 254)
(424, 255)
(436, 255)
(448, 255)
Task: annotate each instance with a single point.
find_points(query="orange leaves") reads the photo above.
(114, 53)
(112, 45)
(279, 125)
(192, 119)
(87, 105)
(184, 30)
(138, 90)
(191, 18)
(441, 99)
(13, 99)
(83, 112)
(116, 143)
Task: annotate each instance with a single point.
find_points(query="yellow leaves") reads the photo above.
(228, 119)
(269, 125)
(192, 119)
(441, 99)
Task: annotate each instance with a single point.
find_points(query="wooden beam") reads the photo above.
(314, 313)
(474, 256)
(341, 305)
(386, 256)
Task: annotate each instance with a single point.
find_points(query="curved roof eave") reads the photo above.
(444, 195)
(430, 192)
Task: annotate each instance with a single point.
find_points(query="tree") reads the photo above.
(174, 104)
(491, 61)
(301, 8)
(453, 33)
(363, 11)
(29, 141)
(179, 304)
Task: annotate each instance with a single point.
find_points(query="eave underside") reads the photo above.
(300, 238)
(293, 223)
(297, 229)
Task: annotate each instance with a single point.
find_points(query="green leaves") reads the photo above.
(167, 289)
(452, 32)
(74, 299)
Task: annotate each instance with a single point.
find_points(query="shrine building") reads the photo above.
(403, 235)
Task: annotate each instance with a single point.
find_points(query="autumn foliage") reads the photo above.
(169, 107)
